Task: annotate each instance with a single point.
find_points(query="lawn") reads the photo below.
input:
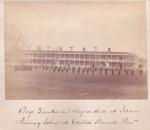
(50, 85)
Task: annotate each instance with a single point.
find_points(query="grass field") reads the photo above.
(49, 85)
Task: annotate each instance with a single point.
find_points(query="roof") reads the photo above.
(87, 52)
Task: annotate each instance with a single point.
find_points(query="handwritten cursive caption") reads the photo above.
(43, 117)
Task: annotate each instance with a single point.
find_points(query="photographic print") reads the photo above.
(75, 50)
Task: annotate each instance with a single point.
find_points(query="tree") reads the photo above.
(14, 45)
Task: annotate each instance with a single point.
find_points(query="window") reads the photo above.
(108, 56)
(82, 56)
(81, 62)
(61, 55)
(76, 55)
(77, 62)
(39, 54)
(48, 55)
(56, 55)
(71, 56)
(87, 62)
(72, 62)
(91, 56)
(62, 62)
(86, 56)
(48, 61)
(98, 63)
(66, 55)
(120, 57)
(43, 55)
(114, 57)
(38, 61)
(53, 55)
(103, 57)
(66, 62)
(97, 56)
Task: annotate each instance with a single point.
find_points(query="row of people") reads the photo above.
(91, 70)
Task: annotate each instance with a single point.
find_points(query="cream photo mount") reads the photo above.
(10, 108)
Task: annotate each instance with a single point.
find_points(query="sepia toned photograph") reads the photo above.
(75, 50)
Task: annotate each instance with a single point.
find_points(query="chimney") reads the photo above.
(48, 47)
(96, 48)
(60, 48)
(109, 49)
(71, 48)
(38, 48)
(84, 49)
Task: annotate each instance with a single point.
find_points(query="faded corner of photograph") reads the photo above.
(75, 50)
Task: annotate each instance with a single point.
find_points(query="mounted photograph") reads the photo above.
(82, 50)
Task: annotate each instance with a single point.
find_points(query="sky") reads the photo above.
(120, 26)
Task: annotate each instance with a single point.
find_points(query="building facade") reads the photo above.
(49, 59)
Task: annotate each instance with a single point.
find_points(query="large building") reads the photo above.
(84, 60)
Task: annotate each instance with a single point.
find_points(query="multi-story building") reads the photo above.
(48, 59)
